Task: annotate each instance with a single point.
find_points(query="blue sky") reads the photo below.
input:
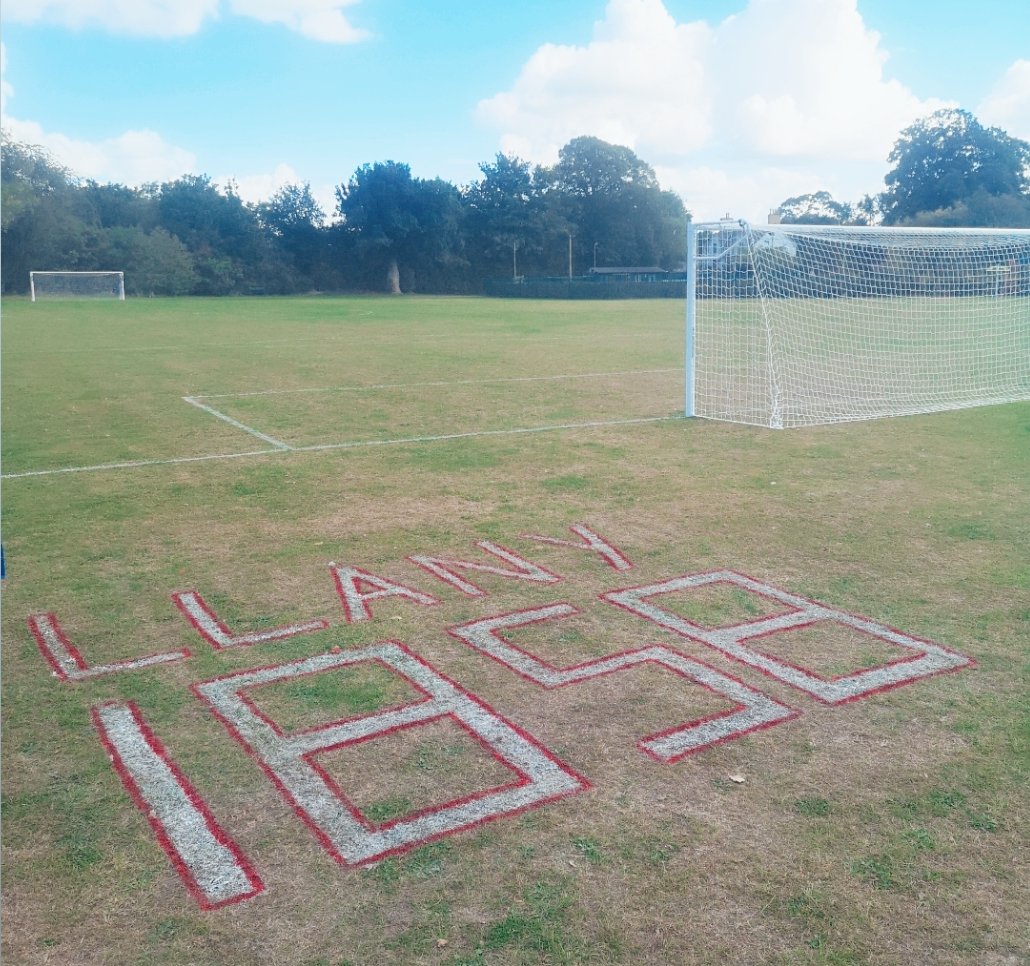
(738, 104)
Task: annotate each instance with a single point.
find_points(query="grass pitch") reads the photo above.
(363, 431)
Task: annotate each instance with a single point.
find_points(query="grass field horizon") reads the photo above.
(350, 435)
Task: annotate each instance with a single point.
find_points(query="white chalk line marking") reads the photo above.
(35, 350)
(431, 385)
(134, 464)
(352, 444)
(405, 336)
(208, 861)
(277, 443)
(356, 444)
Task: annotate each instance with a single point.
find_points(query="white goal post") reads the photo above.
(796, 325)
(77, 285)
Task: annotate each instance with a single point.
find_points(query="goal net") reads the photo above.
(793, 325)
(76, 285)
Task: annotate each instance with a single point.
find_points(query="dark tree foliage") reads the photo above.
(116, 206)
(391, 229)
(979, 209)
(42, 215)
(405, 229)
(505, 225)
(154, 262)
(599, 205)
(296, 224)
(611, 202)
(231, 254)
(588, 166)
(818, 208)
(949, 168)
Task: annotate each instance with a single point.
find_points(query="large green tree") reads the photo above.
(46, 223)
(119, 206)
(401, 226)
(588, 166)
(192, 236)
(231, 255)
(817, 208)
(296, 222)
(614, 206)
(948, 162)
(154, 262)
(507, 223)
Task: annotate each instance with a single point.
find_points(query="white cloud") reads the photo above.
(316, 19)
(627, 86)
(151, 18)
(257, 187)
(781, 90)
(321, 20)
(132, 158)
(1008, 104)
(6, 90)
(742, 194)
(253, 188)
(805, 79)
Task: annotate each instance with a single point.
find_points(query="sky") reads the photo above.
(736, 104)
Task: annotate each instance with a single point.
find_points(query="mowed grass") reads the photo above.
(887, 830)
(95, 383)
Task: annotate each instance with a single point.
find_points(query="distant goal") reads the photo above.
(76, 285)
(794, 325)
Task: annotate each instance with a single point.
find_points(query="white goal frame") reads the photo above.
(116, 288)
(798, 325)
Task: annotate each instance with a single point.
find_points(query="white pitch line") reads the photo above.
(162, 348)
(277, 443)
(135, 464)
(321, 340)
(430, 385)
(354, 444)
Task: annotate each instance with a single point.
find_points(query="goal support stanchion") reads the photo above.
(691, 321)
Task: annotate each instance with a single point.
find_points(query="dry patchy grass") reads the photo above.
(885, 831)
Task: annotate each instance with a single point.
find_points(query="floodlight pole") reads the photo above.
(688, 352)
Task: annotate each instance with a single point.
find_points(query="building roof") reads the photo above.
(629, 270)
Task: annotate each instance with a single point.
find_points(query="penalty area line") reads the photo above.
(400, 441)
(432, 385)
(135, 464)
(277, 443)
(352, 444)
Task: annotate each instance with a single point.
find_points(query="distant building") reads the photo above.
(631, 273)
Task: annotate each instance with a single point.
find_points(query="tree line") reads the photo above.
(949, 171)
(599, 205)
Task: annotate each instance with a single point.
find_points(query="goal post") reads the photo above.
(796, 325)
(76, 285)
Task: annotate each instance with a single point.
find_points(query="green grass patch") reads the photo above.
(543, 924)
(812, 807)
(878, 830)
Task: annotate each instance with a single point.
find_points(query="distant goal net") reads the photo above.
(791, 325)
(76, 285)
